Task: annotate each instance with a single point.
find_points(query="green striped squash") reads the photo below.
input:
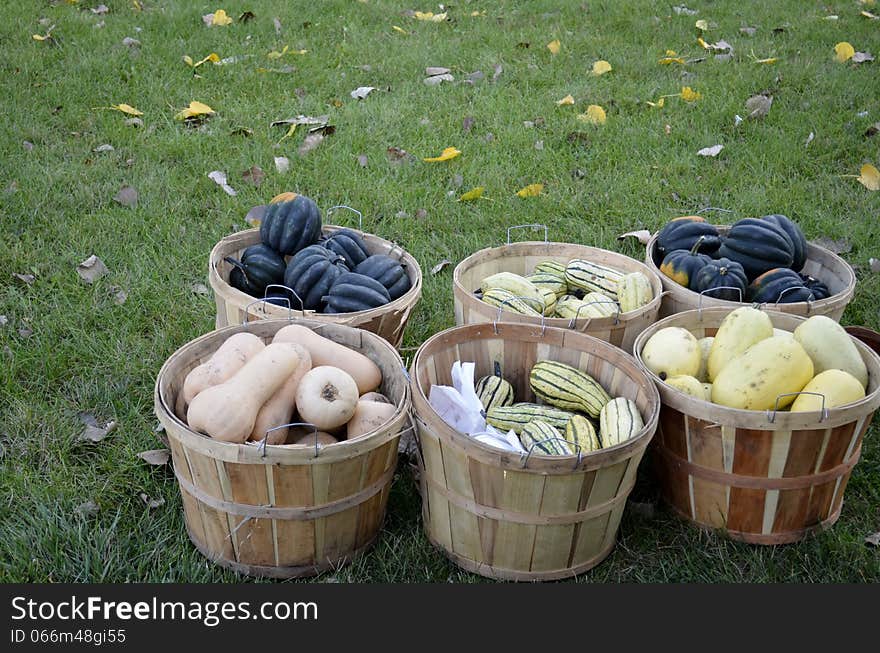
(593, 277)
(553, 282)
(581, 431)
(494, 391)
(567, 387)
(592, 305)
(634, 291)
(542, 439)
(619, 421)
(550, 267)
(507, 301)
(514, 418)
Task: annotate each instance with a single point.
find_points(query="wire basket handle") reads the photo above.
(360, 215)
(700, 304)
(573, 321)
(529, 226)
(771, 414)
(501, 308)
(284, 426)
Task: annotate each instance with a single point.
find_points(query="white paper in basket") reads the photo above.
(460, 407)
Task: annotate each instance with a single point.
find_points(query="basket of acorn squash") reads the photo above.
(756, 260)
(295, 263)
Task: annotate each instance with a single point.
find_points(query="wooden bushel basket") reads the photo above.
(504, 516)
(765, 477)
(821, 263)
(288, 510)
(521, 258)
(234, 306)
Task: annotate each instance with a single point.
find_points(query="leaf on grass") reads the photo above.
(199, 288)
(595, 115)
(809, 139)
(156, 457)
(127, 108)
(748, 31)
(130, 42)
(767, 61)
(862, 57)
(840, 246)
(254, 175)
(681, 10)
(429, 16)
(362, 92)
(118, 294)
(100, 10)
(447, 154)
(277, 23)
(93, 431)
(127, 196)
(362, 160)
(195, 111)
(472, 194)
(219, 18)
(869, 177)
(442, 265)
(532, 190)
(213, 58)
(874, 264)
(438, 79)
(398, 155)
(642, 235)
(843, 52)
(710, 151)
(303, 120)
(874, 538)
(27, 145)
(87, 508)
(27, 279)
(151, 503)
(282, 164)
(601, 67)
(399, 30)
(219, 178)
(658, 104)
(554, 46)
(665, 61)
(567, 101)
(702, 25)
(467, 124)
(539, 145)
(134, 122)
(758, 106)
(690, 95)
(872, 130)
(254, 217)
(92, 269)
(869, 15)
(106, 147)
(436, 70)
(246, 16)
(310, 142)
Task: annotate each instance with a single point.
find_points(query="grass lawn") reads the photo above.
(69, 347)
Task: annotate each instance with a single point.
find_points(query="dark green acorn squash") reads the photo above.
(722, 279)
(387, 271)
(355, 292)
(311, 273)
(287, 227)
(349, 245)
(682, 265)
(780, 285)
(797, 238)
(757, 245)
(683, 233)
(258, 267)
(819, 288)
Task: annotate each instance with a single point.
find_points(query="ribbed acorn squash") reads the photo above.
(311, 273)
(758, 245)
(258, 267)
(289, 226)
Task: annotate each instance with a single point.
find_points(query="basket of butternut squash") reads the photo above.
(284, 440)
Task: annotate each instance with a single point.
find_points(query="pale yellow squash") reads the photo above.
(838, 387)
(688, 385)
(707, 389)
(672, 351)
(705, 348)
(831, 347)
(741, 329)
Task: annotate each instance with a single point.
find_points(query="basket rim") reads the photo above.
(219, 284)
(595, 323)
(755, 419)
(844, 296)
(536, 464)
(284, 453)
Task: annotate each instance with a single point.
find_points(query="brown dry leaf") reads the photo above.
(398, 155)
(869, 177)
(362, 160)
(127, 196)
(758, 106)
(93, 431)
(118, 294)
(467, 124)
(873, 539)
(156, 457)
(872, 130)
(151, 503)
(642, 235)
(442, 265)
(199, 289)
(92, 269)
(862, 57)
(840, 246)
(87, 508)
(498, 70)
(25, 278)
(254, 175)
(310, 142)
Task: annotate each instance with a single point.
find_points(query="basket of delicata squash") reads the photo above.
(763, 418)
(605, 294)
(294, 262)
(284, 437)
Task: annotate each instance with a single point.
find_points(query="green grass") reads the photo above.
(87, 353)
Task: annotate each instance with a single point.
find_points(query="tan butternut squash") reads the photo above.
(375, 396)
(326, 397)
(280, 406)
(226, 361)
(308, 440)
(326, 352)
(228, 411)
(369, 416)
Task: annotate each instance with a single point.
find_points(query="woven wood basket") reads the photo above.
(762, 477)
(235, 306)
(535, 518)
(521, 258)
(283, 511)
(821, 263)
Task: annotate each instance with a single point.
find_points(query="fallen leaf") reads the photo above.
(472, 194)
(213, 58)
(92, 269)
(242, 131)
(25, 278)
(438, 79)
(689, 95)
(156, 457)
(467, 124)
(869, 15)
(554, 46)
(447, 154)
(869, 177)
(809, 139)
(127, 108)
(767, 61)
(710, 151)
(87, 508)
(874, 538)
(872, 130)
(134, 122)
(130, 42)
(220, 19)
(874, 264)
(532, 190)
(539, 145)
(843, 52)
(93, 431)
(27, 145)
(219, 178)
(748, 31)
(127, 196)
(118, 294)
(642, 235)
(421, 214)
(25, 332)
(841, 246)
(399, 30)
(106, 147)
(429, 16)
(100, 9)
(362, 160)
(658, 104)
(398, 155)
(579, 138)
(254, 217)
(4, 320)
(595, 115)
(758, 106)
(195, 111)
(670, 59)
(702, 25)
(310, 143)
(601, 67)
(498, 70)
(362, 92)
(862, 57)
(151, 503)
(436, 70)
(277, 23)
(199, 289)
(474, 77)
(303, 120)
(282, 164)
(246, 16)
(254, 175)
(442, 265)
(567, 101)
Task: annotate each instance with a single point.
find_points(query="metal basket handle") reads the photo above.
(501, 308)
(529, 226)
(284, 426)
(265, 300)
(789, 289)
(343, 206)
(525, 457)
(700, 304)
(576, 317)
(771, 414)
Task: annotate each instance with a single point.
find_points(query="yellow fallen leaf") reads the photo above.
(136, 5)
(843, 52)
(867, 3)
(601, 67)
(399, 29)
(188, 60)
(448, 153)
(40, 37)
(671, 53)
(127, 108)
(213, 58)
(475, 14)
(290, 132)
(554, 46)
(220, 18)
(659, 103)
(595, 115)
(703, 44)
(770, 60)
(430, 16)
(665, 61)
(532, 190)
(194, 110)
(277, 55)
(472, 194)
(868, 14)
(689, 95)
(568, 100)
(869, 177)
(702, 25)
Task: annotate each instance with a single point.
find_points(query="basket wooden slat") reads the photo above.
(760, 477)
(283, 511)
(541, 518)
(821, 263)
(235, 306)
(521, 258)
